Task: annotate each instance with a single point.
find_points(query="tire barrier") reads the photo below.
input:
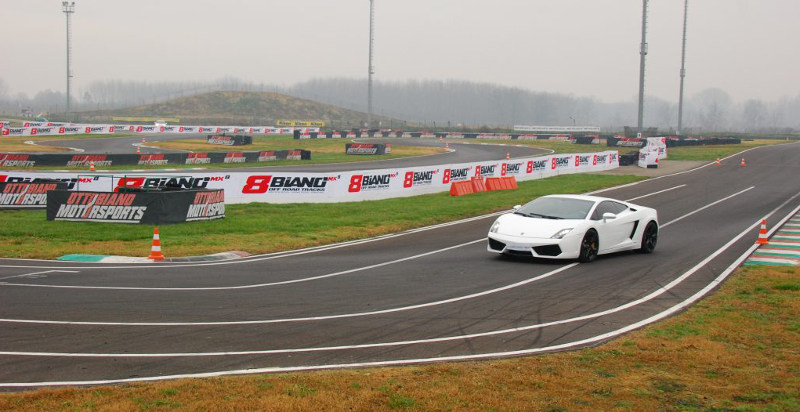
(160, 159)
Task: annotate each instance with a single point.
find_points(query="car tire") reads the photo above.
(649, 238)
(589, 247)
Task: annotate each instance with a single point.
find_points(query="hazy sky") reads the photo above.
(749, 48)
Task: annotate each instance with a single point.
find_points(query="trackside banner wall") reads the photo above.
(55, 129)
(154, 207)
(27, 195)
(291, 187)
(16, 160)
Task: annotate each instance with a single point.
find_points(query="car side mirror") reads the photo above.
(517, 207)
(609, 216)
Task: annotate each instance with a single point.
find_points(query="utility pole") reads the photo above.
(683, 66)
(68, 9)
(371, 67)
(642, 55)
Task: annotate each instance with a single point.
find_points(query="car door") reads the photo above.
(614, 233)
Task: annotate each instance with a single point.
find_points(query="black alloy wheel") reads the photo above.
(589, 246)
(649, 238)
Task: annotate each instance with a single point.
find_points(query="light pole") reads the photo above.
(68, 9)
(683, 66)
(642, 54)
(371, 67)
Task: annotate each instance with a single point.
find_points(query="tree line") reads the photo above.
(445, 103)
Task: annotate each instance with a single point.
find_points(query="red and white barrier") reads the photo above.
(291, 187)
(60, 129)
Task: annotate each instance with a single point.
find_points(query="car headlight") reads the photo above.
(561, 233)
(495, 227)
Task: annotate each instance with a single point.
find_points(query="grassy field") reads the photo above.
(260, 228)
(737, 350)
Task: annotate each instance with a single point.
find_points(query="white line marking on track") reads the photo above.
(311, 318)
(257, 285)
(35, 274)
(654, 193)
(267, 256)
(707, 206)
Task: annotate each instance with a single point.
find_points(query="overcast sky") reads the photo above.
(749, 48)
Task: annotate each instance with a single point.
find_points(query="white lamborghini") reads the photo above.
(574, 227)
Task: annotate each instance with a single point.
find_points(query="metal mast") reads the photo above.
(371, 67)
(68, 9)
(642, 54)
(683, 66)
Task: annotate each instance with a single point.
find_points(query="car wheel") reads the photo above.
(589, 246)
(649, 238)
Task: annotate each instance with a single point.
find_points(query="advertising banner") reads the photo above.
(557, 129)
(300, 123)
(290, 187)
(17, 161)
(367, 149)
(235, 140)
(148, 207)
(27, 195)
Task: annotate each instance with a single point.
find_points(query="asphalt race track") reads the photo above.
(422, 296)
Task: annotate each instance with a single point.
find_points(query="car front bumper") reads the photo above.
(546, 248)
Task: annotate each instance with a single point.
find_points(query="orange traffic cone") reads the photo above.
(138, 150)
(447, 146)
(743, 164)
(718, 163)
(155, 251)
(508, 156)
(143, 141)
(762, 234)
(91, 166)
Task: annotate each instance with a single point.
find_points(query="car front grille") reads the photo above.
(496, 245)
(547, 250)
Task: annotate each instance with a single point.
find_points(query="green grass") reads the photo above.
(261, 227)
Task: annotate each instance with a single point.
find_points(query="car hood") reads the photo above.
(518, 225)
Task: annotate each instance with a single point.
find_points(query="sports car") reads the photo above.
(574, 227)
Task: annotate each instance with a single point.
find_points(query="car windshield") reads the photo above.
(556, 208)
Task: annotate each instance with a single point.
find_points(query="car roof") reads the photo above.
(586, 197)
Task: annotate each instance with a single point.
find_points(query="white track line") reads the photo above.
(263, 257)
(707, 206)
(654, 193)
(252, 286)
(38, 273)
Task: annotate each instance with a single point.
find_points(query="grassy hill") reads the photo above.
(238, 108)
